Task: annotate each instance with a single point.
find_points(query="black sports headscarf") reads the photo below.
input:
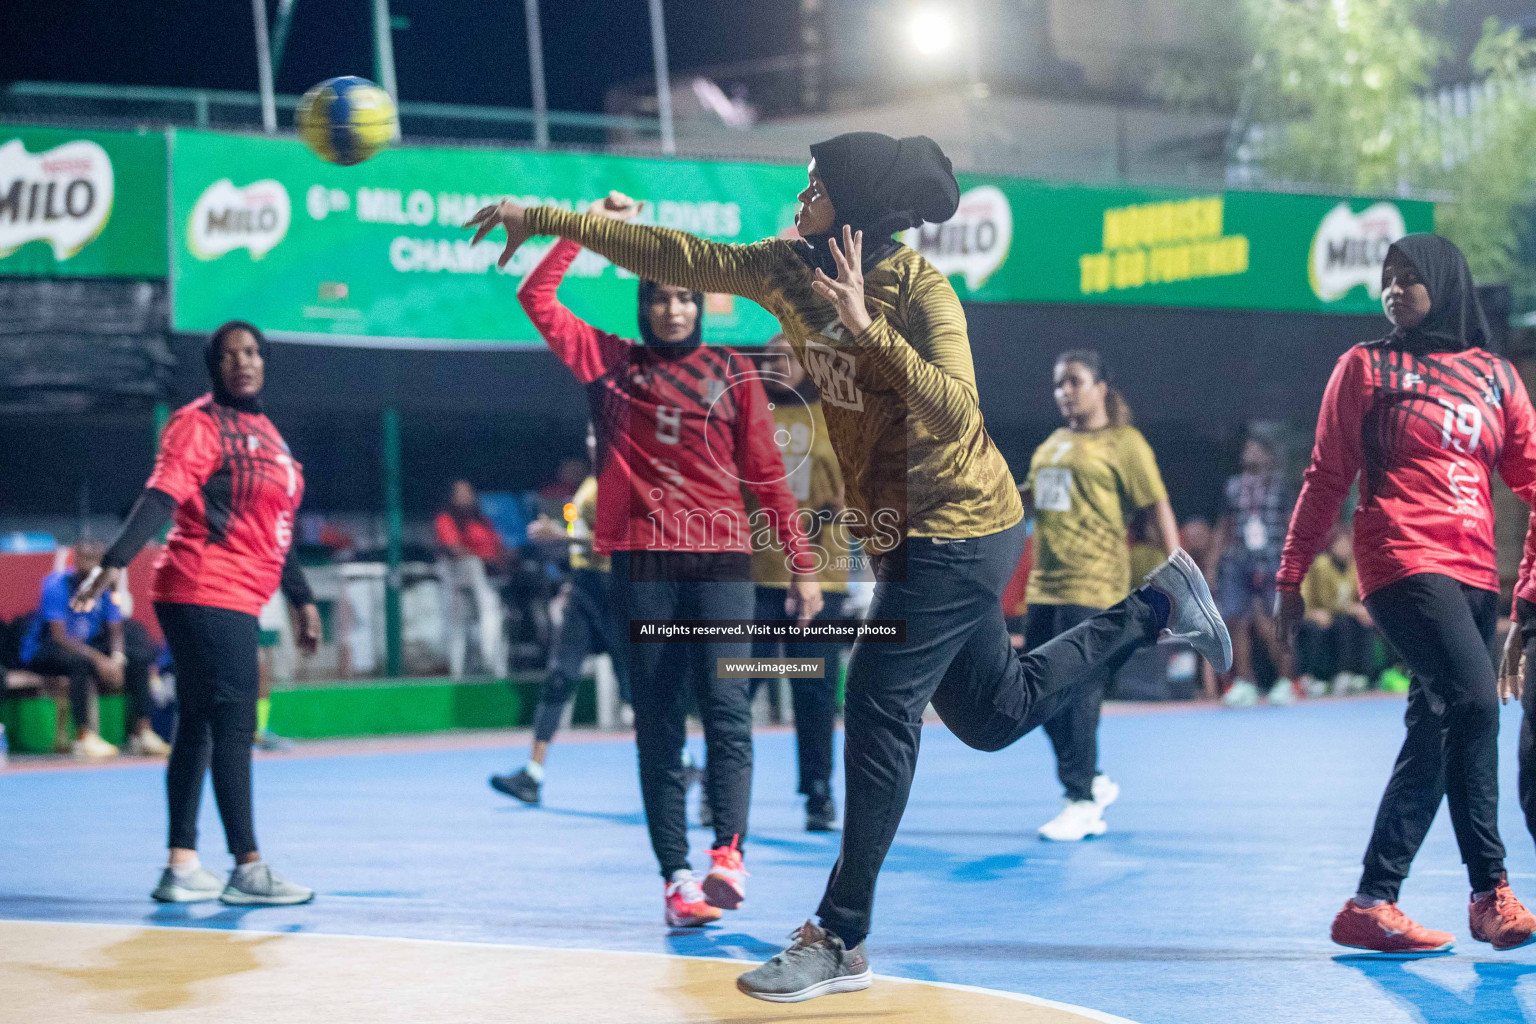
(213, 357)
(1455, 321)
(880, 185)
(668, 349)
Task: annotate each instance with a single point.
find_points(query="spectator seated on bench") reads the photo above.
(93, 649)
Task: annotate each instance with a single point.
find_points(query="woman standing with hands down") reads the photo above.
(226, 478)
(1424, 417)
(882, 335)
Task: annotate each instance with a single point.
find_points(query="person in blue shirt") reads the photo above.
(94, 649)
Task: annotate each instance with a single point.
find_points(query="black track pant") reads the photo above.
(1441, 629)
(1074, 728)
(815, 700)
(956, 655)
(54, 660)
(1528, 717)
(215, 654)
(588, 628)
(687, 585)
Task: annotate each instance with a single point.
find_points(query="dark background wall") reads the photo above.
(1195, 379)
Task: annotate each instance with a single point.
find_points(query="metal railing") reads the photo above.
(223, 108)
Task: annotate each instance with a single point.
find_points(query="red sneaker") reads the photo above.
(1385, 929)
(686, 906)
(726, 884)
(1499, 918)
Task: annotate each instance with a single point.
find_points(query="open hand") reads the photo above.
(507, 214)
(1512, 665)
(308, 634)
(847, 292)
(97, 582)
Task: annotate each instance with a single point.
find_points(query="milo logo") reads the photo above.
(62, 196)
(974, 242)
(1350, 248)
(226, 218)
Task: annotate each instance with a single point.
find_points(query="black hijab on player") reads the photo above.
(213, 358)
(880, 185)
(668, 349)
(1455, 321)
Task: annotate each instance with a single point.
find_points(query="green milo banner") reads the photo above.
(373, 254)
(1014, 240)
(82, 203)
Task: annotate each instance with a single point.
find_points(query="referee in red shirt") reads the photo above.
(681, 428)
(227, 478)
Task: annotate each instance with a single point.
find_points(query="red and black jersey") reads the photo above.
(677, 438)
(1424, 434)
(236, 488)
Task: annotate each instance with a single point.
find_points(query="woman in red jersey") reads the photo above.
(226, 475)
(1424, 417)
(681, 428)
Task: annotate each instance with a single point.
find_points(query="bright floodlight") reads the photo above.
(931, 31)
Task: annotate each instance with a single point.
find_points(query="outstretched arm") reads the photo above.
(656, 254)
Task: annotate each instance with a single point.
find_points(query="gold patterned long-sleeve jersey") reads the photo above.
(900, 399)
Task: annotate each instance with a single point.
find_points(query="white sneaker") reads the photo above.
(1312, 686)
(1105, 791)
(1192, 614)
(1078, 820)
(92, 747)
(192, 886)
(1242, 694)
(1347, 683)
(1282, 693)
(147, 744)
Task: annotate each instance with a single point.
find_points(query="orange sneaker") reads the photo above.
(686, 906)
(1386, 929)
(726, 884)
(1497, 917)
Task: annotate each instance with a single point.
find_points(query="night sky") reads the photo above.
(455, 51)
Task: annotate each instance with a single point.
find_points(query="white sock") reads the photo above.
(243, 869)
(1367, 902)
(186, 868)
(535, 771)
(681, 875)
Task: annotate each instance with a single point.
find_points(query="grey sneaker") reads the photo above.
(193, 887)
(815, 965)
(256, 885)
(1193, 616)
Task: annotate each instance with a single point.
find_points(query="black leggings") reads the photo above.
(216, 679)
(957, 655)
(1441, 629)
(1528, 716)
(1074, 728)
(54, 660)
(589, 627)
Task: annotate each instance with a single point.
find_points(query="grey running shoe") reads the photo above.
(519, 785)
(272, 742)
(1192, 616)
(193, 887)
(815, 965)
(256, 885)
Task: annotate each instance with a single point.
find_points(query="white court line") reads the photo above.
(1018, 997)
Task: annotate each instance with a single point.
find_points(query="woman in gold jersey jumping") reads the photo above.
(882, 334)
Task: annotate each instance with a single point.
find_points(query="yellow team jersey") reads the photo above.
(811, 470)
(1330, 588)
(1085, 484)
(899, 400)
(582, 528)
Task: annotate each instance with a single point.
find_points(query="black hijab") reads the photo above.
(1455, 321)
(213, 358)
(654, 346)
(880, 185)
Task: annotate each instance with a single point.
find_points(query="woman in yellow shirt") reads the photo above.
(1084, 483)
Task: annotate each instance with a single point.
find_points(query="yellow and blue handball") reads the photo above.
(346, 120)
